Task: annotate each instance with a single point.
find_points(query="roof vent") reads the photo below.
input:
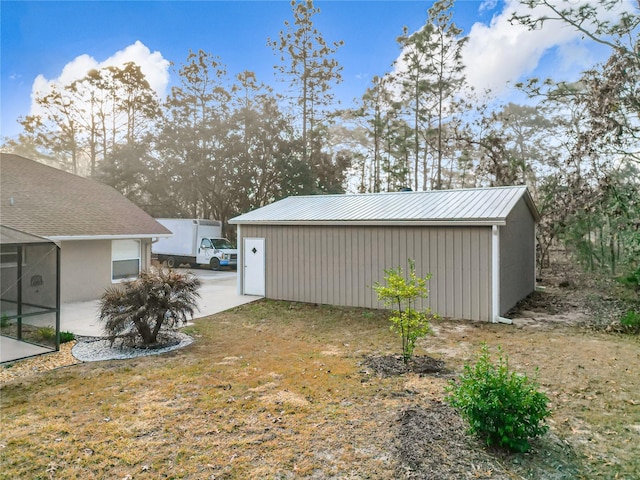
(11, 201)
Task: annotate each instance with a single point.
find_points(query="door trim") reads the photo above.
(261, 290)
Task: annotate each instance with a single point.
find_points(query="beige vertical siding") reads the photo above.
(338, 265)
(517, 257)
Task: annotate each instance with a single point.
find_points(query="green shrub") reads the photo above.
(66, 337)
(402, 294)
(4, 321)
(46, 333)
(503, 408)
(631, 320)
(632, 281)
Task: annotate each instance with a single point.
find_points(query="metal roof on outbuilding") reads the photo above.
(477, 206)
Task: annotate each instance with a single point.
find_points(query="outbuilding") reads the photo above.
(479, 245)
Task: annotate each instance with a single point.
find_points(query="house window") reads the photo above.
(125, 259)
(9, 256)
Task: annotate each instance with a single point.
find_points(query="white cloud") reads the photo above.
(487, 5)
(152, 64)
(575, 56)
(501, 53)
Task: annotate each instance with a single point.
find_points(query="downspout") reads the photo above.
(495, 277)
(58, 297)
(240, 262)
(535, 256)
(19, 296)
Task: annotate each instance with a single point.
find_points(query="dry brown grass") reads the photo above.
(278, 390)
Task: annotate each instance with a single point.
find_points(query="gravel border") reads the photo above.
(94, 349)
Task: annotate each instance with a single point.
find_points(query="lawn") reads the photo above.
(281, 390)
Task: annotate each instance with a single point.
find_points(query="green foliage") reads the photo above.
(402, 294)
(67, 337)
(4, 321)
(308, 62)
(138, 310)
(123, 108)
(431, 75)
(504, 408)
(46, 333)
(632, 281)
(631, 320)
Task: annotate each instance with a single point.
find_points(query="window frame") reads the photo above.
(9, 261)
(125, 258)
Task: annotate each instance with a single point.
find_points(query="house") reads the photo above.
(103, 237)
(479, 245)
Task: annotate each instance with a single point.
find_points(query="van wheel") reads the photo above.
(214, 264)
(170, 262)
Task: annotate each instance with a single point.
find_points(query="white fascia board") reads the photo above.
(382, 223)
(61, 238)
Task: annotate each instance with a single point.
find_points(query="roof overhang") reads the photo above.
(61, 238)
(532, 206)
(380, 223)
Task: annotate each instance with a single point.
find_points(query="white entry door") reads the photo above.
(253, 258)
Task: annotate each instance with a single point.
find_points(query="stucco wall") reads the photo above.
(338, 264)
(85, 269)
(39, 277)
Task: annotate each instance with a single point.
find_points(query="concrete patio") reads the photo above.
(12, 349)
(217, 294)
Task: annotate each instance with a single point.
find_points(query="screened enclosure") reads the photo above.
(29, 295)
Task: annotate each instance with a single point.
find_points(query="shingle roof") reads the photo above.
(11, 236)
(481, 206)
(48, 202)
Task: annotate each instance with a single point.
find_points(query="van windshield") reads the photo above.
(221, 243)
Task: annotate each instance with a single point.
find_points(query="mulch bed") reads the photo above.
(393, 365)
(432, 440)
(432, 443)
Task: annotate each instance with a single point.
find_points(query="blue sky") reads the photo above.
(44, 41)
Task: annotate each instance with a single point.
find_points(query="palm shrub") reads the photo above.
(503, 408)
(159, 299)
(403, 294)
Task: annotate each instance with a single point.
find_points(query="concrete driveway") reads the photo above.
(218, 293)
